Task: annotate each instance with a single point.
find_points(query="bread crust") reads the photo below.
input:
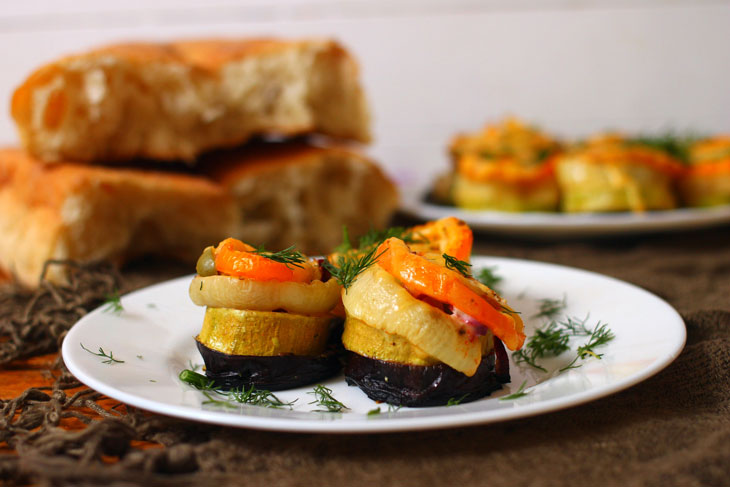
(88, 213)
(297, 193)
(173, 101)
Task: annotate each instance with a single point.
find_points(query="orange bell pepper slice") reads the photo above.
(238, 259)
(421, 276)
(446, 236)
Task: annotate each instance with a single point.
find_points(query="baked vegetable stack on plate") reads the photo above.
(706, 182)
(614, 173)
(141, 147)
(420, 330)
(504, 167)
(268, 320)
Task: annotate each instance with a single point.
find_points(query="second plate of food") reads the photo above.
(414, 203)
(152, 341)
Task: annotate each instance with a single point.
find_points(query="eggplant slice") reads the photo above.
(272, 373)
(426, 385)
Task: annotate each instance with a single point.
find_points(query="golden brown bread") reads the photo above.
(299, 194)
(87, 213)
(278, 194)
(176, 100)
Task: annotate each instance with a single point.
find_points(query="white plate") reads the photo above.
(154, 337)
(558, 225)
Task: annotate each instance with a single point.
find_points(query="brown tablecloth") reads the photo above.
(673, 429)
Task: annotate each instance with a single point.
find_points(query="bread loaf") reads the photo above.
(299, 194)
(174, 101)
(87, 213)
(276, 194)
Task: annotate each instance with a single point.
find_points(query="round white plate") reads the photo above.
(154, 337)
(558, 225)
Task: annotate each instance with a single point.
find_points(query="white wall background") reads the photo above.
(434, 67)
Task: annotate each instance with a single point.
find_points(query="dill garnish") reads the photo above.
(109, 357)
(550, 308)
(676, 145)
(516, 395)
(242, 395)
(505, 309)
(549, 341)
(351, 262)
(289, 256)
(460, 266)
(391, 409)
(375, 237)
(345, 246)
(600, 336)
(323, 398)
(350, 266)
(113, 303)
(217, 402)
(455, 401)
(553, 339)
(258, 397)
(489, 277)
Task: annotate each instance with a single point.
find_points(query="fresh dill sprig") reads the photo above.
(113, 303)
(375, 237)
(554, 338)
(489, 277)
(550, 308)
(324, 398)
(289, 256)
(353, 261)
(505, 309)
(251, 396)
(575, 326)
(258, 397)
(392, 408)
(350, 266)
(346, 245)
(600, 336)
(110, 359)
(455, 401)
(460, 266)
(674, 144)
(516, 395)
(549, 341)
(571, 365)
(217, 402)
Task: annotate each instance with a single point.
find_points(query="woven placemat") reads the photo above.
(673, 429)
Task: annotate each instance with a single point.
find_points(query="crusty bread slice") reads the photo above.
(296, 193)
(87, 213)
(174, 101)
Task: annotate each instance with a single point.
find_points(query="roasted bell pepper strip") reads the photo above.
(238, 259)
(421, 276)
(445, 236)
